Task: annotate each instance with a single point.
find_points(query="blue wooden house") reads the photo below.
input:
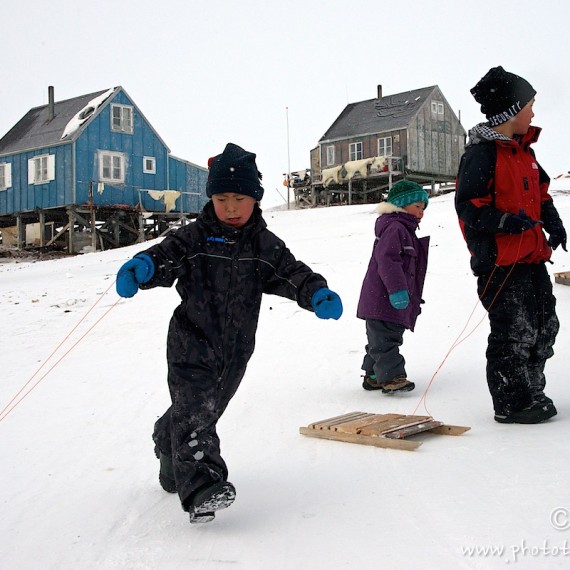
(93, 168)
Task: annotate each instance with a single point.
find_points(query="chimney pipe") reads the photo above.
(379, 91)
(51, 104)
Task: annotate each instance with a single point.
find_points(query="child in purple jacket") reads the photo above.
(392, 289)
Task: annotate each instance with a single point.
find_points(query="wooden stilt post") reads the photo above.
(92, 220)
(42, 220)
(141, 238)
(71, 230)
(21, 232)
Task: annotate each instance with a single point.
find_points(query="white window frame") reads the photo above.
(41, 169)
(437, 108)
(149, 164)
(5, 175)
(385, 146)
(330, 154)
(355, 151)
(122, 118)
(112, 167)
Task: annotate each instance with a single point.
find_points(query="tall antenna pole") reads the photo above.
(288, 158)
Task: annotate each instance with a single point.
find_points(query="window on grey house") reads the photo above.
(385, 146)
(355, 151)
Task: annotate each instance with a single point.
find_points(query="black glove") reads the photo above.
(513, 224)
(557, 236)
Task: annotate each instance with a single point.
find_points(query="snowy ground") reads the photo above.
(79, 482)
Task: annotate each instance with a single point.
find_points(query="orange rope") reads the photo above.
(16, 400)
(457, 342)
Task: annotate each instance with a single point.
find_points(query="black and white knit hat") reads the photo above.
(502, 95)
(234, 171)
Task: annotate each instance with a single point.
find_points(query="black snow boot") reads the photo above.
(203, 503)
(166, 473)
(536, 413)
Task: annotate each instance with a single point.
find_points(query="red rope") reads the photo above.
(16, 400)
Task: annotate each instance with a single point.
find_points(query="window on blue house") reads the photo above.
(111, 167)
(122, 118)
(149, 165)
(41, 169)
(5, 176)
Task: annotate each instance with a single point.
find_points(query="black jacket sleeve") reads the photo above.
(474, 198)
(550, 217)
(287, 276)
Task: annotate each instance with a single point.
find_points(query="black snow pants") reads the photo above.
(524, 325)
(187, 431)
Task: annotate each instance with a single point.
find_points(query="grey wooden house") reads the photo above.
(414, 135)
(92, 172)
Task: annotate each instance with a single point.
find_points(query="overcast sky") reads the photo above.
(212, 71)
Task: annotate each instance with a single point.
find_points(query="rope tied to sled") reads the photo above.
(25, 390)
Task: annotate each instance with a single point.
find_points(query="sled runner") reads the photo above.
(379, 430)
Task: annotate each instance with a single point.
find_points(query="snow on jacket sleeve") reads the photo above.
(168, 257)
(286, 276)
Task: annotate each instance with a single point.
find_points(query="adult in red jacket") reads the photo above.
(503, 205)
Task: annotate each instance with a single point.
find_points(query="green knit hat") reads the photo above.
(406, 192)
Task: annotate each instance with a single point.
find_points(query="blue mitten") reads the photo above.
(400, 299)
(137, 270)
(326, 304)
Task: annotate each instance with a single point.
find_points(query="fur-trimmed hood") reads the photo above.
(388, 208)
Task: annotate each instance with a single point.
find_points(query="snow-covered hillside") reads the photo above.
(78, 482)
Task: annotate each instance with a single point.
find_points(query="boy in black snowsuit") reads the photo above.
(222, 263)
(503, 205)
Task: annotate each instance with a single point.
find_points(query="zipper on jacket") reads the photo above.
(525, 182)
(229, 311)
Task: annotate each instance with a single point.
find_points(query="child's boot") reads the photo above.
(203, 503)
(536, 413)
(166, 473)
(397, 384)
(370, 382)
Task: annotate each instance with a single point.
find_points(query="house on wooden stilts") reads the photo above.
(92, 173)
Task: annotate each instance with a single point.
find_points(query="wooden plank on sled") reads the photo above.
(562, 278)
(379, 430)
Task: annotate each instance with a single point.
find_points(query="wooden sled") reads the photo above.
(562, 278)
(380, 430)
